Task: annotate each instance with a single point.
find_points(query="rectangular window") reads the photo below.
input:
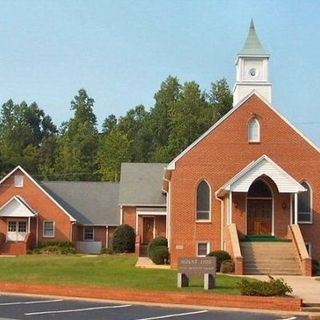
(203, 249)
(18, 181)
(22, 226)
(88, 233)
(12, 226)
(48, 229)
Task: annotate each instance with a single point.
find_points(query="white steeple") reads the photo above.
(252, 69)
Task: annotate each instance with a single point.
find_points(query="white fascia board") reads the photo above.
(228, 186)
(39, 187)
(16, 198)
(172, 164)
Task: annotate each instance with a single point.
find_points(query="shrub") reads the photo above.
(55, 247)
(160, 255)
(221, 256)
(106, 251)
(273, 287)
(123, 239)
(227, 266)
(315, 267)
(156, 242)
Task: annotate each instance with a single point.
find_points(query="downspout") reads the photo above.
(107, 236)
(121, 214)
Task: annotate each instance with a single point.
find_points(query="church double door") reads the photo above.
(259, 215)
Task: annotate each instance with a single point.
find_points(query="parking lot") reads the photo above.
(39, 308)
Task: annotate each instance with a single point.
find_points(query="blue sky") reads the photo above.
(120, 51)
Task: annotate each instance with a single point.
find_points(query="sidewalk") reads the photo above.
(307, 288)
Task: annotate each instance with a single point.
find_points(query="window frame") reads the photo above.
(53, 229)
(84, 233)
(210, 203)
(311, 205)
(250, 140)
(18, 180)
(208, 247)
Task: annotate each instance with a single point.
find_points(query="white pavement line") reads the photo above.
(291, 318)
(29, 302)
(77, 310)
(174, 315)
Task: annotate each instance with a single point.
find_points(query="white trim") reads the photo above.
(207, 242)
(43, 229)
(143, 205)
(296, 208)
(37, 185)
(150, 212)
(291, 209)
(311, 205)
(121, 214)
(210, 203)
(84, 233)
(21, 202)
(227, 187)
(230, 207)
(222, 222)
(171, 165)
(256, 121)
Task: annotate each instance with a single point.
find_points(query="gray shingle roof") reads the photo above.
(141, 184)
(253, 45)
(88, 202)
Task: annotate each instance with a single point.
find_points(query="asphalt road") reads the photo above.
(38, 308)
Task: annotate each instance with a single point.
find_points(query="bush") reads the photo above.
(221, 256)
(54, 247)
(273, 287)
(156, 242)
(106, 251)
(227, 266)
(123, 239)
(315, 267)
(160, 255)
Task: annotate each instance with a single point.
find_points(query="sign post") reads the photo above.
(196, 266)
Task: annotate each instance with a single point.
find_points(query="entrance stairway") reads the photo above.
(270, 257)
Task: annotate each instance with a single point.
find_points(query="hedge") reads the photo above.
(123, 239)
(221, 256)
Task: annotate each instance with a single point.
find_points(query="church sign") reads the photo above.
(197, 266)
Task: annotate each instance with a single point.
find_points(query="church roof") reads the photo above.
(253, 45)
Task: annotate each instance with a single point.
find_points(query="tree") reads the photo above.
(220, 98)
(188, 118)
(160, 118)
(78, 142)
(114, 148)
(23, 130)
(109, 124)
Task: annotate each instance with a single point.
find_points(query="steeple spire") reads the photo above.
(252, 69)
(253, 45)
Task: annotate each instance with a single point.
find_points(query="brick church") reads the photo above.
(249, 185)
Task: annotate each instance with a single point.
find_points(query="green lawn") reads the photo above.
(102, 271)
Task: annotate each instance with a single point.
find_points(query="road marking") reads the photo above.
(29, 302)
(291, 318)
(77, 310)
(174, 315)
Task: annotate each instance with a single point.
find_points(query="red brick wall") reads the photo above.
(225, 152)
(129, 216)
(41, 203)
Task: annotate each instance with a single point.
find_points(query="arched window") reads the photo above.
(203, 201)
(254, 130)
(305, 204)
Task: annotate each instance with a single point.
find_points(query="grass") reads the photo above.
(101, 271)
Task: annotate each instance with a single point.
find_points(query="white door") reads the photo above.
(17, 230)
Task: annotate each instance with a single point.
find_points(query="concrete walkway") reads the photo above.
(145, 262)
(307, 288)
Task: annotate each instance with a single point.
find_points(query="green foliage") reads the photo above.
(315, 267)
(55, 247)
(160, 255)
(77, 151)
(123, 239)
(106, 251)
(158, 241)
(114, 149)
(273, 287)
(221, 256)
(227, 266)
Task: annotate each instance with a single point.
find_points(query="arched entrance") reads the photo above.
(259, 209)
